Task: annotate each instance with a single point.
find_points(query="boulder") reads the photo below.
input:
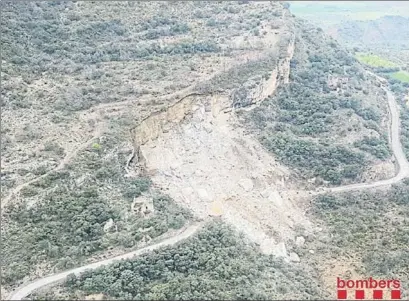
(280, 250)
(300, 241)
(246, 184)
(108, 225)
(203, 195)
(266, 193)
(294, 257)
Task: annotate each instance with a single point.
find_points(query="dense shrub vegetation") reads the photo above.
(375, 146)
(387, 32)
(65, 224)
(51, 42)
(332, 163)
(371, 224)
(90, 43)
(216, 264)
(304, 122)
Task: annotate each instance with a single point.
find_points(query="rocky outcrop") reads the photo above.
(266, 85)
(294, 257)
(142, 206)
(265, 88)
(151, 127)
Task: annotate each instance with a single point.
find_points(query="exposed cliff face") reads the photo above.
(150, 128)
(198, 152)
(284, 64)
(265, 88)
(254, 91)
(153, 126)
(279, 75)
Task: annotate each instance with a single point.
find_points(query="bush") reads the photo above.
(332, 163)
(135, 188)
(375, 146)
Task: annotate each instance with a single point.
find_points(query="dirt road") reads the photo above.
(27, 289)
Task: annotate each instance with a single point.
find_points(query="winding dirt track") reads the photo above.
(71, 154)
(27, 289)
(403, 171)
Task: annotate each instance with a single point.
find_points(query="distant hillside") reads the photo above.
(387, 31)
(380, 27)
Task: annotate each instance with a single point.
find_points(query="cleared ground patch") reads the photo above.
(374, 60)
(403, 76)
